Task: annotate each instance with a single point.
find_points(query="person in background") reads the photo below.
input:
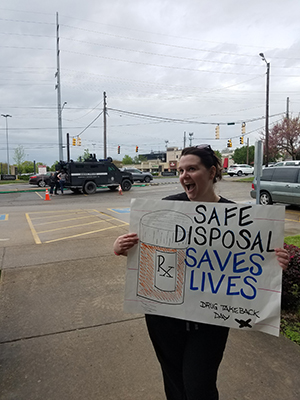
(190, 353)
(62, 176)
(52, 183)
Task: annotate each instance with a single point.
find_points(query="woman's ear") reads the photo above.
(212, 172)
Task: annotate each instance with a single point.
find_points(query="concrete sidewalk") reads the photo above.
(65, 336)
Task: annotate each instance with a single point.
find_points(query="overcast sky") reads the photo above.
(167, 67)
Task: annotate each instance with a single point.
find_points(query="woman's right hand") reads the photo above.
(124, 243)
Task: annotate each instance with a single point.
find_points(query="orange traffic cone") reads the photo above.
(47, 197)
(120, 190)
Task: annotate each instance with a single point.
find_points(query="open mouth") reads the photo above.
(189, 187)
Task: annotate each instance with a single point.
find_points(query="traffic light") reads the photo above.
(229, 143)
(243, 128)
(242, 140)
(78, 141)
(74, 141)
(217, 130)
(119, 149)
(136, 149)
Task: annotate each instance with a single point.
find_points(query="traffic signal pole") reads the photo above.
(68, 147)
(104, 126)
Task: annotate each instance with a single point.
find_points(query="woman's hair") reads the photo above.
(207, 157)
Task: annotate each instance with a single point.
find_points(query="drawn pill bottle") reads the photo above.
(164, 239)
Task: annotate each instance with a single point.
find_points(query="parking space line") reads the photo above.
(75, 226)
(297, 214)
(120, 210)
(43, 217)
(62, 220)
(36, 222)
(292, 220)
(39, 195)
(33, 231)
(85, 233)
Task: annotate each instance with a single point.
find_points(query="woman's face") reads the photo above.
(196, 179)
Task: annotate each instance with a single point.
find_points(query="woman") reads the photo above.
(62, 176)
(190, 353)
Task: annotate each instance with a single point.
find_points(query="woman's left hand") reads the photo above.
(282, 257)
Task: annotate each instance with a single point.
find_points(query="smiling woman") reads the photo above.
(190, 353)
(199, 168)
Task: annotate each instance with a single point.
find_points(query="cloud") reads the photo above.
(171, 59)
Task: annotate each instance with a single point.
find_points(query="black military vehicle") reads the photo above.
(86, 176)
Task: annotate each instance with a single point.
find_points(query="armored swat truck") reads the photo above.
(86, 176)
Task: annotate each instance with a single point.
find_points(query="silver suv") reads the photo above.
(240, 169)
(139, 175)
(278, 185)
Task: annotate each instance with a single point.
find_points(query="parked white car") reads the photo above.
(240, 169)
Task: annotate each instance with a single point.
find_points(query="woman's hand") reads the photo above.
(282, 257)
(124, 243)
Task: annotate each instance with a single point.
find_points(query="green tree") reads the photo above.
(19, 156)
(127, 160)
(53, 166)
(218, 154)
(27, 167)
(138, 159)
(240, 155)
(85, 156)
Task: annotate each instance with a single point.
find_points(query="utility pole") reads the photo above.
(7, 148)
(267, 108)
(191, 138)
(57, 87)
(184, 139)
(247, 161)
(287, 107)
(104, 125)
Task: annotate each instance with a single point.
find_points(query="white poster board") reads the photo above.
(206, 262)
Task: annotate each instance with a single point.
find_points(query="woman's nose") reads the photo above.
(184, 173)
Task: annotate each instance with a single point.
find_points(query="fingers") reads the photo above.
(283, 257)
(125, 242)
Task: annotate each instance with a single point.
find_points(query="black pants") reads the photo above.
(190, 354)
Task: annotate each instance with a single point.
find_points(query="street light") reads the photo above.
(5, 116)
(267, 108)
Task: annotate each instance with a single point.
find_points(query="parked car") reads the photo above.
(40, 180)
(278, 185)
(139, 176)
(240, 169)
(289, 163)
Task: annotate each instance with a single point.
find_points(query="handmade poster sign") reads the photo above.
(206, 262)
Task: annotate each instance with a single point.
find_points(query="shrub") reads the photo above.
(291, 280)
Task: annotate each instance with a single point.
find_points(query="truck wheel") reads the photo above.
(89, 187)
(126, 185)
